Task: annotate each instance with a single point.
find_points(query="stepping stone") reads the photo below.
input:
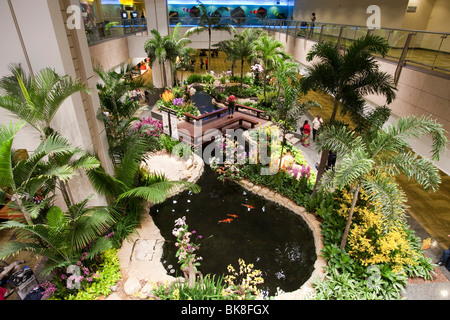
(143, 250)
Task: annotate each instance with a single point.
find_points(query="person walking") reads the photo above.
(231, 102)
(317, 122)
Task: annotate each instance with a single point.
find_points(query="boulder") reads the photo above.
(132, 286)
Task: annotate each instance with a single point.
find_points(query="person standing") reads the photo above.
(445, 259)
(317, 122)
(313, 19)
(201, 63)
(306, 134)
(231, 102)
(206, 63)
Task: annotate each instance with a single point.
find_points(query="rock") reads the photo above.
(189, 163)
(143, 250)
(146, 289)
(132, 286)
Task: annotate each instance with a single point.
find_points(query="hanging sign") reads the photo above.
(165, 121)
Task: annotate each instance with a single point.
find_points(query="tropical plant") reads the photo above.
(24, 180)
(209, 22)
(37, 99)
(347, 77)
(372, 160)
(132, 186)
(266, 51)
(240, 48)
(181, 49)
(118, 111)
(62, 236)
(286, 69)
(166, 49)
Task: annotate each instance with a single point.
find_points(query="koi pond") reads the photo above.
(276, 240)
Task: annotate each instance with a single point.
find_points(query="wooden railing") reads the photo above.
(218, 112)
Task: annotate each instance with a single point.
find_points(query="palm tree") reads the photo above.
(372, 159)
(158, 49)
(209, 22)
(37, 175)
(166, 49)
(181, 50)
(347, 78)
(244, 44)
(286, 69)
(266, 51)
(231, 51)
(130, 187)
(62, 236)
(37, 99)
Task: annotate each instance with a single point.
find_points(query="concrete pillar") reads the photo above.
(157, 14)
(43, 40)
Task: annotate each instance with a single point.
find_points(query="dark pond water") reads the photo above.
(203, 102)
(273, 238)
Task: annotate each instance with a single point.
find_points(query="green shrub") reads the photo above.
(194, 78)
(208, 78)
(103, 275)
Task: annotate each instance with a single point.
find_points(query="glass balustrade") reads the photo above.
(429, 50)
(113, 29)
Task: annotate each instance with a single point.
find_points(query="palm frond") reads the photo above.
(387, 195)
(6, 140)
(352, 167)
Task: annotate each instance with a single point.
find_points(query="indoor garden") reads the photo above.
(221, 240)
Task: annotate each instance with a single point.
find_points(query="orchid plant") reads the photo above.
(186, 249)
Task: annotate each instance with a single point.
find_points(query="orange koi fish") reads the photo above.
(226, 220)
(248, 206)
(232, 215)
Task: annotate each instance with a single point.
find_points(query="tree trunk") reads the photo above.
(22, 208)
(242, 72)
(350, 216)
(209, 49)
(281, 152)
(321, 170)
(164, 74)
(65, 194)
(325, 153)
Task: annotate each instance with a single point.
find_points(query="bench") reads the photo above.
(258, 111)
(252, 122)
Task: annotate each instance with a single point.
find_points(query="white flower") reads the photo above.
(180, 221)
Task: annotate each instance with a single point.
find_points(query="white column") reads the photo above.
(158, 18)
(36, 36)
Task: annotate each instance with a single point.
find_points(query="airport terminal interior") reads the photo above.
(224, 150)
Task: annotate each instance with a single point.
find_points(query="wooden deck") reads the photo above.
(197, 133)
